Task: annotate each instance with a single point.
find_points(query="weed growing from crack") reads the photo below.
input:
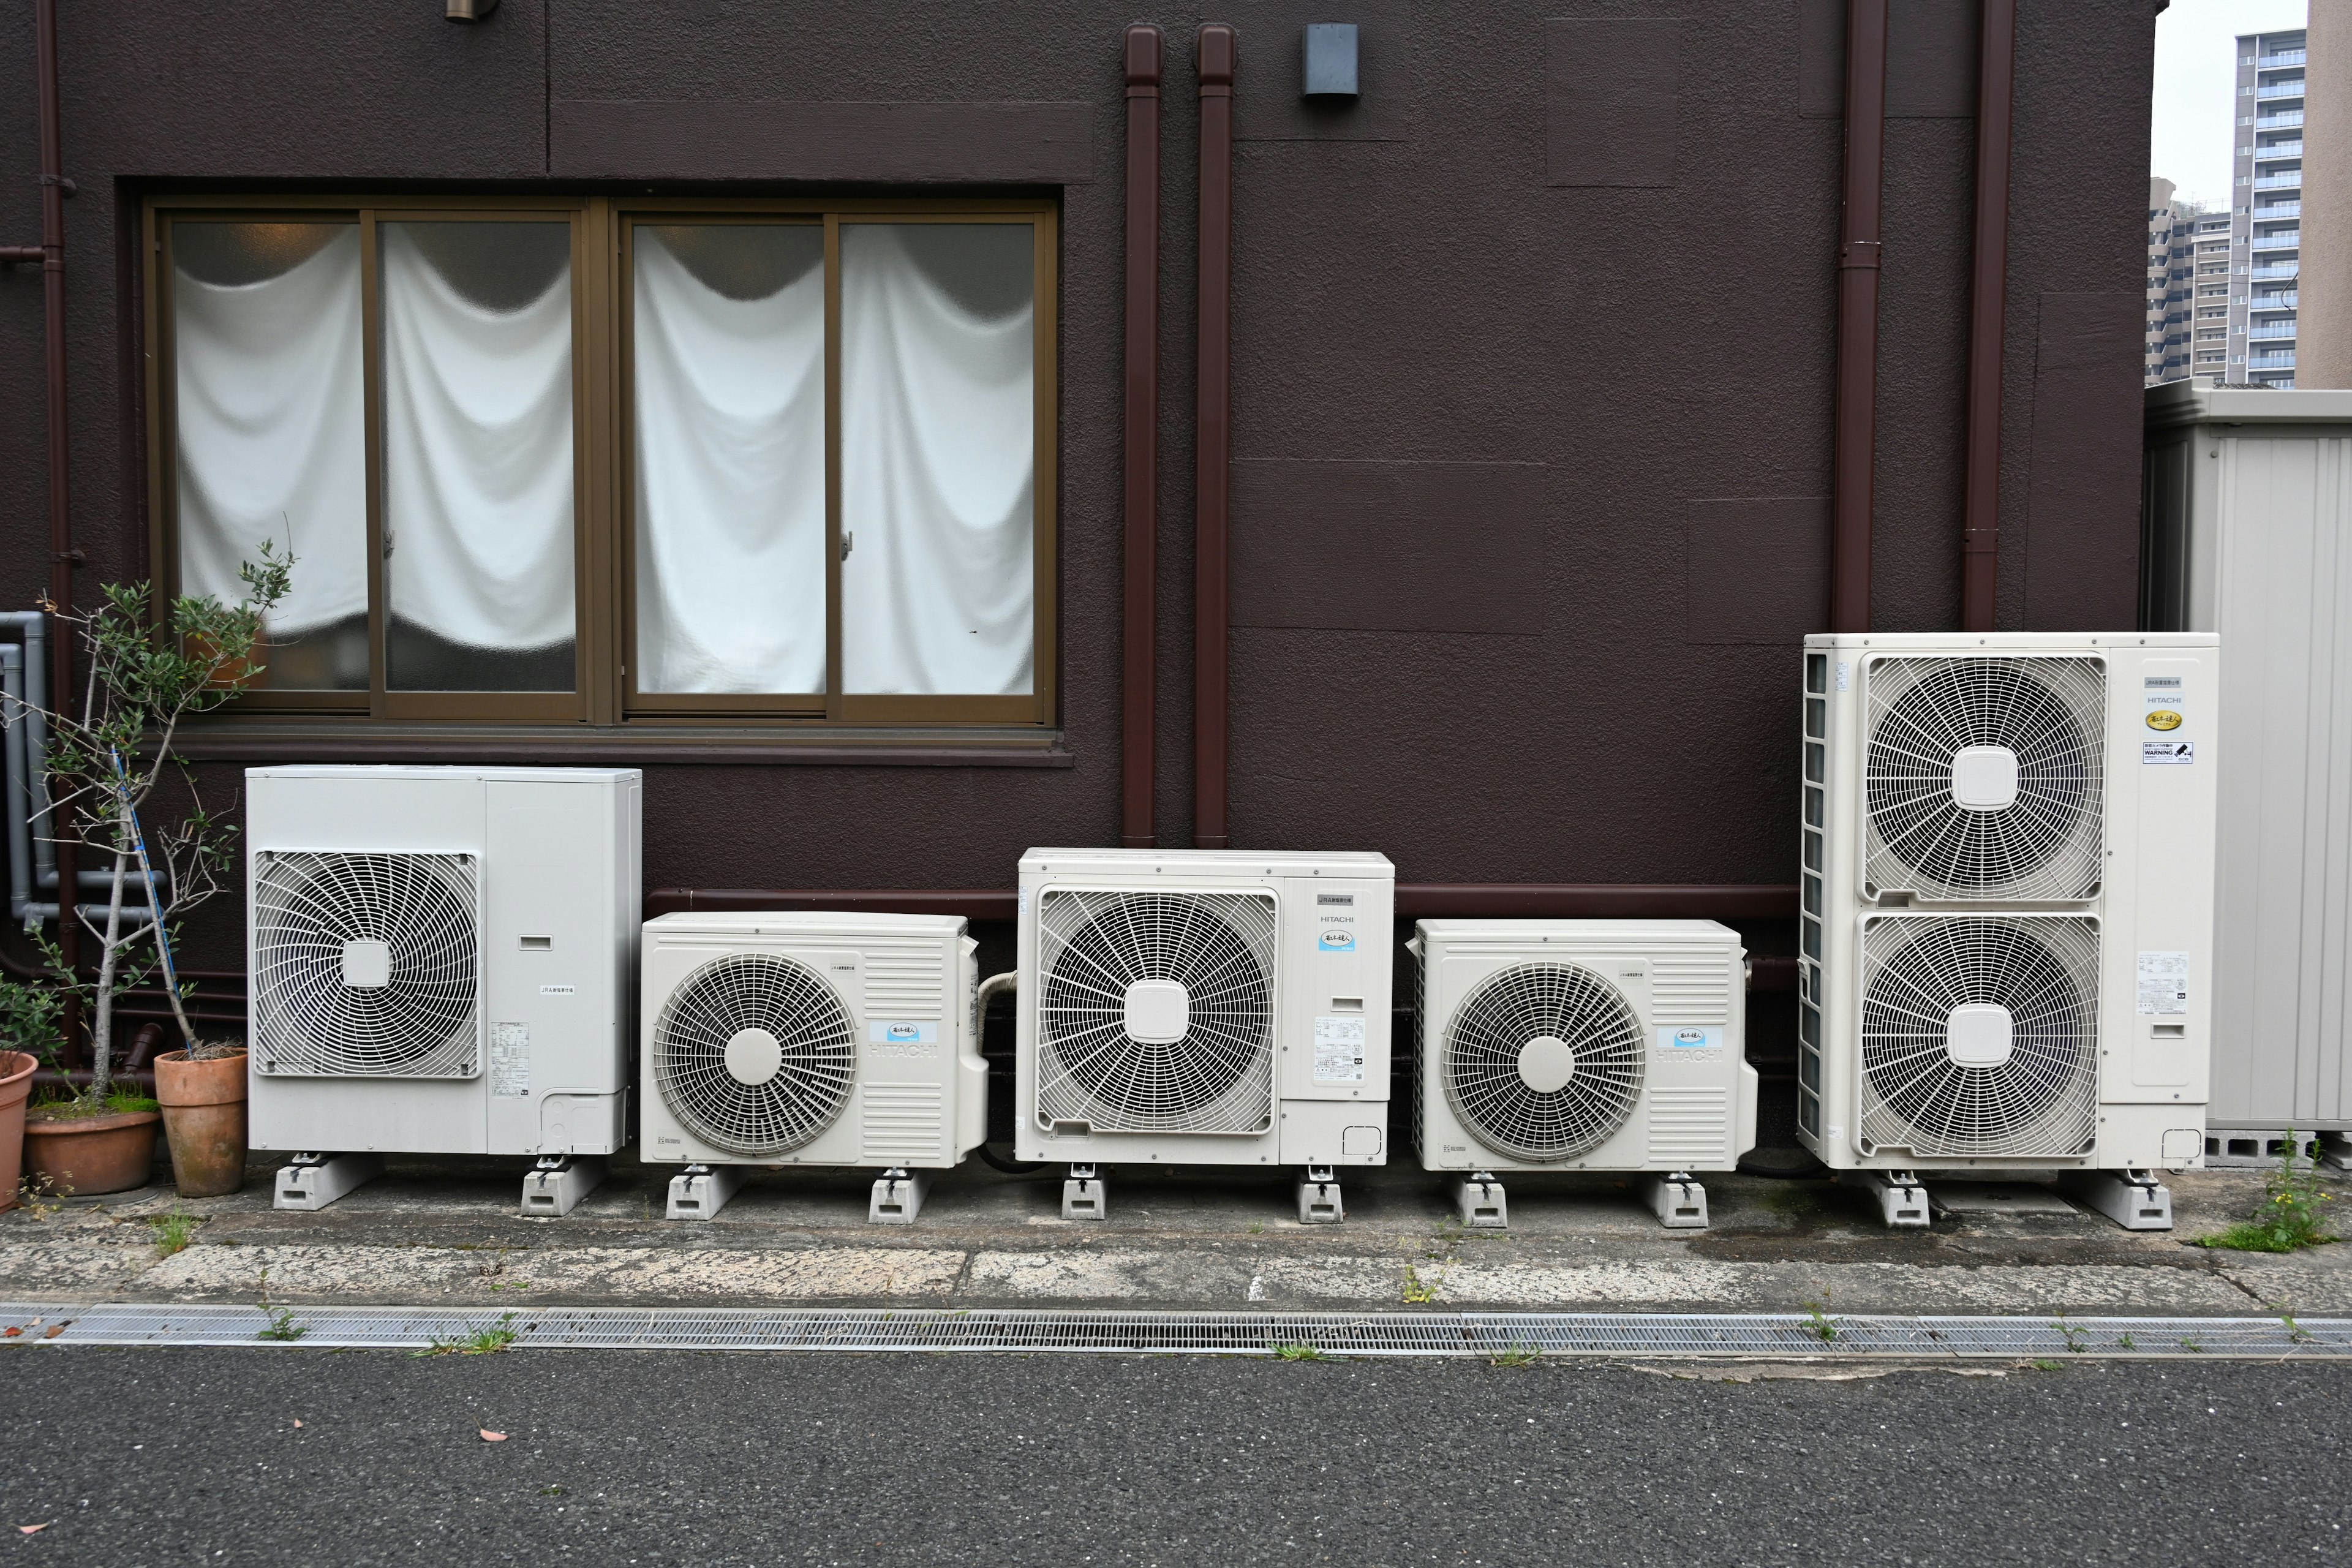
(481, 1341)
(282, 1325)
(1515, 1356)
(2289, 1218)
(1296, 1352)
(1418, 1292)
(2073, 1336)
(1818, 1324)
(175, 1230)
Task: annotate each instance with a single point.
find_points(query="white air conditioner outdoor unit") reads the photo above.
(2007, 928)
(441, 962)
(1203, 1007)
(810, 1039)
(1563, 1045)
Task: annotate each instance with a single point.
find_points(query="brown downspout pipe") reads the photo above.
(1141, 634)
(1213, 436)
(1989, 315)
(63, 556)
(1857, 352)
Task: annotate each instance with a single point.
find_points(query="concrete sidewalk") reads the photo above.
(448, 1231)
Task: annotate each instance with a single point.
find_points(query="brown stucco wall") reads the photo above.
(1640, 373)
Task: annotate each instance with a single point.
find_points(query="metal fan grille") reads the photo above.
(812, 1030)
(1494, 1024)
(2046, 844)
(2043, 1100)
(309, 908)
(1219, 1077)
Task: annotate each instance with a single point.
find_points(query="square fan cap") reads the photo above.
(367, 965)
(1980, 1035)
(1984, 778)
(1159, 1011)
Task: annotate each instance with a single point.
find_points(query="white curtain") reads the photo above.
(937, 482)
(476, 455)
(271, 433)
(730, 396)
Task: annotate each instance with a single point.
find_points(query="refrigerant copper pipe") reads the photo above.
(1213, 436)
(1138, 829)
(1857, 350)
(1989, 314)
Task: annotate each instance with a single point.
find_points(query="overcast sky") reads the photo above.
(2196, 81)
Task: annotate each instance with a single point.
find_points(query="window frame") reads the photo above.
(603, 457)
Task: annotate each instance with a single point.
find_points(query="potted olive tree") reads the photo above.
(105, 766)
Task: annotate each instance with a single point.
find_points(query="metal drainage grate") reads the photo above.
(1631, 1334)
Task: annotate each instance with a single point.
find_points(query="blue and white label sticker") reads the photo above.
(1688, 1039)
(1337, 942)
(2167, 753)
(903, 1033)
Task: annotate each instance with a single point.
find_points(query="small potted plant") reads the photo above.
(29, 1015)
(105, 764)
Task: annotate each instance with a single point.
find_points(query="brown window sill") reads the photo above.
(592, 745)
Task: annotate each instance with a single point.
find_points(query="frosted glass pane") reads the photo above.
(937, 448)
(270, 433)
(478, 456)
(727, 370)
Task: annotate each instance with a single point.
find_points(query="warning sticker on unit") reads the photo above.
(510, 1060)
(2163, 984)
(2158, 754)
(1338, 1050)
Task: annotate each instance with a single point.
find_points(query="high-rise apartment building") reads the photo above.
(2188, 256)
(2266, 213)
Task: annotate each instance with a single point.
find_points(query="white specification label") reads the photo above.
(2163, 753)
(509, 1060)
(2163, 984)
(1339, 1049)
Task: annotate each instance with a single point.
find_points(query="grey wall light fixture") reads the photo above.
(1330, 56)
(470, 10)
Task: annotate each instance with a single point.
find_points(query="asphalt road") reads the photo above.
(187, 1456)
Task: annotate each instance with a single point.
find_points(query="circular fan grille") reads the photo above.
(2045, 712)
(1498, 1032)
(310, 910)
(2042, 1097)
(1217, 1077)
(815, 1053)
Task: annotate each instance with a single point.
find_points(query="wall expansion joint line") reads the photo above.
(1632, 1335)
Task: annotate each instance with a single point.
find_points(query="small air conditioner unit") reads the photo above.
(785, 1040)
(1203, 1007)
(441, 962)
(2005, 938)
(1582, 1046)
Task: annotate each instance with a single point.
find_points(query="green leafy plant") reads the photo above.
(2295, 1332)
(175, 1230)
(148, 669)
(2076, 1339)
(31, 1019)
(2290, 1218)
(481, 1341)
(1515, 1356)
(1818, 1324)
(1417, 1291)
(282, 1325)
(2049, 1366)
(1296, 1352)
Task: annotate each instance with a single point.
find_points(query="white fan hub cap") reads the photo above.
(1159, 1011)
(367, 965)
(753, 1056)
(1980, 1035)
(1546, 1063)
(1984, 778)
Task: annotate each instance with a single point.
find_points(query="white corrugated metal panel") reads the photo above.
(2248, 501)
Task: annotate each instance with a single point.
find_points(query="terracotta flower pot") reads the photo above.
(16, 1083)
(203, 1117)
(83, 1155)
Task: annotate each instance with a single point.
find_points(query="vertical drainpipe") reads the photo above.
(1857, 350)
(1213, 436)
(1142, 633)
(1989, 312)
(63, 557)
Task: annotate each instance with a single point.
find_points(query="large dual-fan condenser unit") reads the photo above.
(801, 1041)
(2006, 938)
(1581, 1044)
(442, 962)
(1203, 1007)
